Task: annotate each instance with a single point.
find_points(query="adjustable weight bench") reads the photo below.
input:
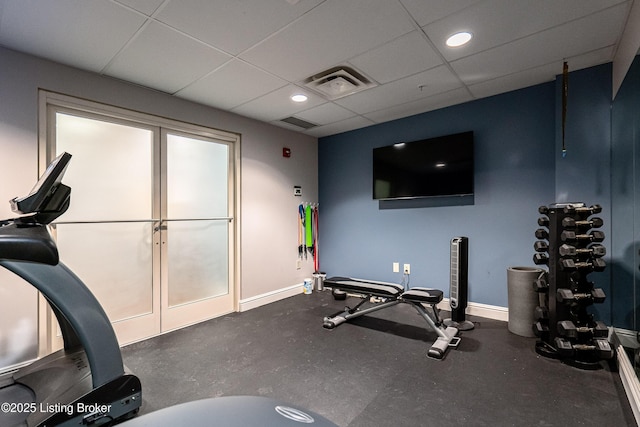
(391, 294)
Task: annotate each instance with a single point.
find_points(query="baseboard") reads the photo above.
(481, 310)
(473, 308)
(627, 373)
(269, 297)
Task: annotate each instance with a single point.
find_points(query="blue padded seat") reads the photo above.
(430, 296)
(368, 287)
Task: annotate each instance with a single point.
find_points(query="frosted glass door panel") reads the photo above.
(150, 227)
(115, 262)
(111, 171)
(196, 205)
(199, 265)
(198, 178)
(108, 234)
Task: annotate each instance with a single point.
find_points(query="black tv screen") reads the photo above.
(433, 167)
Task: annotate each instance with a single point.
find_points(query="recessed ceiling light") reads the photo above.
(441, 164)
(458, 39)
(299, 97)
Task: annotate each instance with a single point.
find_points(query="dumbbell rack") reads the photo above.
(569, 245)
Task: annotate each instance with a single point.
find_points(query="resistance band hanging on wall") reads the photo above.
(308, 232)
(302, 253)
(308, 221)
(316, 255)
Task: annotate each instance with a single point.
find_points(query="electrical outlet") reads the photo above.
(298, 264)
(407, 269)
(396, 267)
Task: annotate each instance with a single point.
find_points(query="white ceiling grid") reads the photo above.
(249, 56)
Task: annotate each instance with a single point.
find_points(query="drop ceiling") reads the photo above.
(250, 56)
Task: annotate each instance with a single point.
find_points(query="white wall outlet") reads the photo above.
(407, 269)
(298, 264)
(396, 267)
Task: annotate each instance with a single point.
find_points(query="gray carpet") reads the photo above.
(374, 370)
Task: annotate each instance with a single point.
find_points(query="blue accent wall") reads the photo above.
(515, 155)
(518, 167)
(625, 201)
(584, 174)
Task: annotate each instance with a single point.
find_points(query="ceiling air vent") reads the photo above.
(298, 122)
(338, 82)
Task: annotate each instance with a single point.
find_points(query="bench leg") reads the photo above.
(446, 337)
(349, 313)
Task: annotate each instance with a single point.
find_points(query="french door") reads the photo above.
(150, 228)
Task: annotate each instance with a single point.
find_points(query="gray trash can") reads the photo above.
(523, 299)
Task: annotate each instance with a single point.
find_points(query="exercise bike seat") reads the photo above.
(429, 296)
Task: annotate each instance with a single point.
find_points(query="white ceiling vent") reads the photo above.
(338, 82)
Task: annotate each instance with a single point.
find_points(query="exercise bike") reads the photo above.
(86, 383)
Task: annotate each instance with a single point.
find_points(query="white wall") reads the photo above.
(268, 216)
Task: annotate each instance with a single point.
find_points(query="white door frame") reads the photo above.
(49, 338)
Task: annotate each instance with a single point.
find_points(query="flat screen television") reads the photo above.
(434, 167)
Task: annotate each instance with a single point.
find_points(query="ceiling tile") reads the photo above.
(68, 31)
(339, 127)
(436, 80)
(593, 32)
(231, 85)
(163, 59)
(328, 35)
(496, 22)
(430, 103)
(145, 6)
(232, 26)
(519, 80)
(406, 55)
(538, 75)
(325, 114)
(277, 104)
(426, 11)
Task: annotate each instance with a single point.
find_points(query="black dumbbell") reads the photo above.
(571, 236)
(541, 331)
(571, 209)
(594, 222)
(596, 264)
(540, 258)
(541, 285)
(568, 329)
(541, 313)
(566, 296)
(541, 246)
(597, 295)
(543, 221)
(597, 251)
(600, 348)
(338, 294)
(543, 210)
(541, 233)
